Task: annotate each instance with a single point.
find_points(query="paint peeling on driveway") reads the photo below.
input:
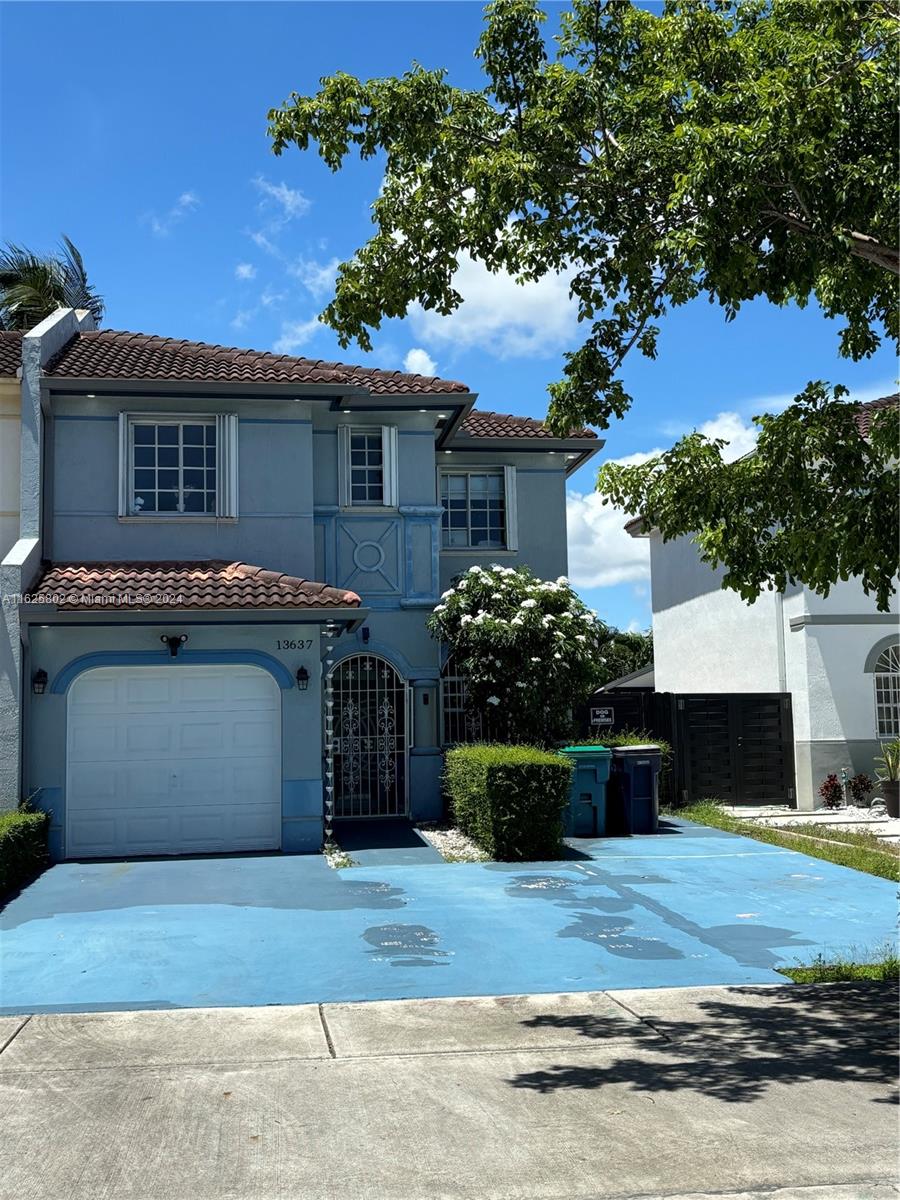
(696, 907)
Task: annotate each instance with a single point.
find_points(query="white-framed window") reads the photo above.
(887, 693)
(368, 466)
(479, 509)
(173, 466)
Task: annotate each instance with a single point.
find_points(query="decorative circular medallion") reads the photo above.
(368, 556)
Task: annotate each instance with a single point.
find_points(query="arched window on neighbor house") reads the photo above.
(886, 671)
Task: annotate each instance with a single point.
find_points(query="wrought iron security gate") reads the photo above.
(370, 738)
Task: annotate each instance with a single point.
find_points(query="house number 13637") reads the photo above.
(295, 645)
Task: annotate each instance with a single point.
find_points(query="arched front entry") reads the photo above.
(371, 722)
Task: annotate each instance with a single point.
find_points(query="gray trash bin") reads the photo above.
(632, 804)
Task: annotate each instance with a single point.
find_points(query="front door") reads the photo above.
(370, 738)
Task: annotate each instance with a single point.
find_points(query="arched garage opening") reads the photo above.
(172, 759)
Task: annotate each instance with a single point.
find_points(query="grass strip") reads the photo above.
(859, 857)
(822, 970)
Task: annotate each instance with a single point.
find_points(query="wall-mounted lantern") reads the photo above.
(174, 642)
(302, 679)
(39, 682)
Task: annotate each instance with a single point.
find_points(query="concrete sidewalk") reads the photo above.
(778, 1091)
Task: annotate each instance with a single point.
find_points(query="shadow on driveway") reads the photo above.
(734, 1051)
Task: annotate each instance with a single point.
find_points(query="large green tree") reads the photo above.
(622, 653)
(708, 148)
(32, 286)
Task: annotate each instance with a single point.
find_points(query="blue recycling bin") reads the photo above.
(633, 791)
(586, 812)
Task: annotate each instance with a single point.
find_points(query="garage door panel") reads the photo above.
(89, 831)
(201, 736)
(255, 736)
(201, 690)
(95, 691)
(174, 759)
(146, 737)
(152, 690)
(89, 741)
(249, 782)
(96, 785)
(148, 831)
(249, 687)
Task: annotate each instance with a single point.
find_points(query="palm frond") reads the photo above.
(33, 286)
(77, 291)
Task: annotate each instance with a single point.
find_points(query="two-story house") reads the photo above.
(168, 670)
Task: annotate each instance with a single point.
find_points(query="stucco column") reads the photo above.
(425, 758)
(425, 710)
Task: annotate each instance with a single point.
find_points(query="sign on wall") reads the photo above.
(602, 716)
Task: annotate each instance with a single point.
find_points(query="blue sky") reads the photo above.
(139, 129)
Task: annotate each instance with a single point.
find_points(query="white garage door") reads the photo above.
(173, 760)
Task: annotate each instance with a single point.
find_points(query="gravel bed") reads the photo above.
(452, 843)
(872, 820)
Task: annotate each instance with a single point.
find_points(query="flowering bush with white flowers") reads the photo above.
(527, 648)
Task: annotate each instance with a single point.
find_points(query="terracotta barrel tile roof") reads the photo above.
(177, 585)
(505, 425)
(867, 411)
(10, 351)
(115, 354)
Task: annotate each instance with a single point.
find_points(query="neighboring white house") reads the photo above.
(838, 658)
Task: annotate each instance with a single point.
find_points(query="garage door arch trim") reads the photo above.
(67, 675)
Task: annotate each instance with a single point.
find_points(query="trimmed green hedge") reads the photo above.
(509, 799)
(23, 848)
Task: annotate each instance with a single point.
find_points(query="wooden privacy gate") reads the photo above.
(731, 747)
(736, 748)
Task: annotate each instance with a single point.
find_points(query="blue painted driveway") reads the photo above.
(691, 907)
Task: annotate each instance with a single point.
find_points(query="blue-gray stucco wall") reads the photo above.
(289, 519)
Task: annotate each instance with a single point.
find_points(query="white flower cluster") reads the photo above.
(517, 601)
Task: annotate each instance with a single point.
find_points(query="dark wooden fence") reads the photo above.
(733, 747)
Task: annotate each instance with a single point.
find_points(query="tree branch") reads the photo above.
(861, 244)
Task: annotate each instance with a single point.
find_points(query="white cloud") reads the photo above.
(295, 334)
(419, 362)
(507, 319)
(242, 318)
(776, 402)
(281, 204)
(245, 271)
(601, 553)
(290, 200)
(161, 226)
(317, 277)
(740, 435)
(262, 242)
(270, 298)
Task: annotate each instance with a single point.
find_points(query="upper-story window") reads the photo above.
(174, 466)
(887, 693)
(479, 509)
(368, 471)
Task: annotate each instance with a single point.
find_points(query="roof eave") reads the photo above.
(51, 614)
(583, 448)
(637, 527)
(130, 386)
